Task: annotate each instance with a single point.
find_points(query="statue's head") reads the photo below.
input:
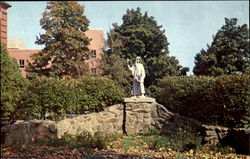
(138, 60)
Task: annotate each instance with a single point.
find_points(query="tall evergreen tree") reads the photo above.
(229, 52)
(65, 42)
(140, 35)
(13, 84)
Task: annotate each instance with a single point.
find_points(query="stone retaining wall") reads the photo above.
(134, 116)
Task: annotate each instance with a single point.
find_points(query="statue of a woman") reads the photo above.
(138, 73)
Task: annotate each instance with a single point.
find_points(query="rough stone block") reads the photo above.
(211, 133)
(139, 100)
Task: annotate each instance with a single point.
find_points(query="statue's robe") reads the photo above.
(138, 72)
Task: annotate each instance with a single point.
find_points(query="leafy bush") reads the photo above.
(13, 84)
(222, 100)
(96, 93)
(84, 139)
(182, 139)
(48, 98)
(115, 68)
(53, 98)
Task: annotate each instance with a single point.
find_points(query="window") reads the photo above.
(93, 53)
(21, 63)
(93, 71)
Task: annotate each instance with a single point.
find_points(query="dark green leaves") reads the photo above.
(13, 84)
(53, 98)
(229, 52)
(222, 100)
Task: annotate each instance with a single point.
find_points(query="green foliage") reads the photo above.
(84, 139)
(53, 98)
(65, 42)
(182, 139)
(13, 84)
(140, 35)
(158, 67)
(48, 98)
(229, 52)
(115, 68)
(176, 140)
(222, 100)
(96, 93)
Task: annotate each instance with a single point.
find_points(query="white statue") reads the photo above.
(138, 72)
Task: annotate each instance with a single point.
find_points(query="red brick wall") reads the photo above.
(22, 55)
(3, 27)
(97, 43)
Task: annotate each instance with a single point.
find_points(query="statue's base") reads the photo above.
(139, 99)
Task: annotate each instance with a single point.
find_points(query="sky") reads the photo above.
(188, 25)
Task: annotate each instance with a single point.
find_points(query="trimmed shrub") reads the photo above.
(13, 84)
(96, 93)
(222, 100)
(53, 98)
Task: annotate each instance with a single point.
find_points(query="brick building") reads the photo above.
(96, 46)
(3, 16)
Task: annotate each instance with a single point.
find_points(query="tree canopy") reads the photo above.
(64, 39)
(114, 67)
(140, 35)
(229, 52)
(12, 83)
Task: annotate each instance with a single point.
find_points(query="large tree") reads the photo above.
(140, 35)
(13, 84)
(229, 52)
(65, 42)
(114, 67)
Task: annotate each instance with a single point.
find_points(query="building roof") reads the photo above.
(5, 5)
(16, 44)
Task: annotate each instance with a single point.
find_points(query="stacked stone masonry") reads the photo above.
(130, 117)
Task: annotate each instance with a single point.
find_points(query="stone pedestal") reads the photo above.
(140, 115)
(139, 100)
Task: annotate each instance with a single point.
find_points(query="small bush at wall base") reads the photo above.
(222, 100)
(53, 98)
(84, 139)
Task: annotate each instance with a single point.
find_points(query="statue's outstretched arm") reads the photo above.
(129, 67)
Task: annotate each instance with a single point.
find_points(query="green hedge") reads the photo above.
(53, 98)
(222, 100)
(96, 93)
(13, 84)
